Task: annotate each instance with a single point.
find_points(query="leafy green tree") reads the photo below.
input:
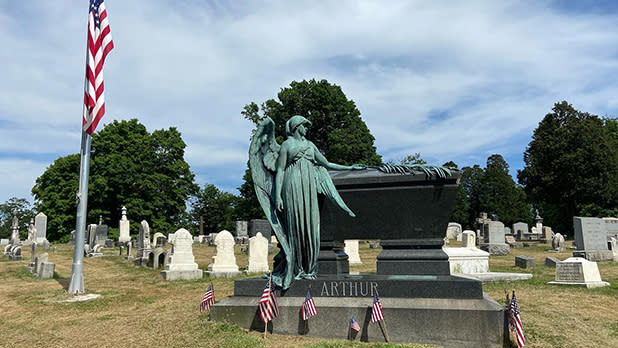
(337, 128)
(571, 166)
(129, 167)
(24, 214)
(216, 207)
(467, 204)
(500, 194)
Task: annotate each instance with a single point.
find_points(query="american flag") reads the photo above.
(268, 304)
(354, 325)
(376, 310)
(208, 299)
(308, 310)
(521, 340)
(99, 45)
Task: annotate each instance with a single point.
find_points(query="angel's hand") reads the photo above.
(359, 167)
(279, 204)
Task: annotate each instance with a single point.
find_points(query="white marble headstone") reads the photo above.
(469, 239)
(40, 223)
(223, 262)
(351, 248)
(182, 263)
(123, 227)
(258, 254)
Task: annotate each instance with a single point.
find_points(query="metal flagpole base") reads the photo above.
(76, 286)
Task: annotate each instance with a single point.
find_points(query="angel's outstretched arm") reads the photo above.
(333, 166)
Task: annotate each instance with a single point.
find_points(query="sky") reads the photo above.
(451, 80)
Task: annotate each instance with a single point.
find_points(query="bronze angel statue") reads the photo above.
(288, 179)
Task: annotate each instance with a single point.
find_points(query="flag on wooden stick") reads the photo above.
(519, 329)
(376, 309)
(208, 299)
(268, 304)
(308, 309)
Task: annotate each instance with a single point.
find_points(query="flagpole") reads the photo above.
(76, 286)
(306, 321)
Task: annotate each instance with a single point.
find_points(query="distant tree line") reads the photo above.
(571, 168)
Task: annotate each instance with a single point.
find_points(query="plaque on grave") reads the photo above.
(578, 271)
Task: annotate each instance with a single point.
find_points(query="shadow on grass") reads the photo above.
(64, 282)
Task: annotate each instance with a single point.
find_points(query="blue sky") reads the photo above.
(452, 80)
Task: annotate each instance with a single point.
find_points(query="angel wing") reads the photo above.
(263, 155)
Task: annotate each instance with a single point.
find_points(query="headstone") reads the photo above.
(40, 223)
(519, 228)
(507, 230)
(224, 262)
(46, 270)
(525, 262)
(469, 239)
(613, 243)
(182, 264)
(129, 256)
(611, 225)
(72, 240)
(578, 271)
(547, 234)
(38, 261)
(351, 248)
(100, 234)
(591, 239)
(33, 256)
(97, 250)
(557, 242)
(89, 238)
(257, 254)
(4, 242)
(510, 240)
(482, 220)
(161, 241)
(124, 235)
(453, 230)
(109, 244)
(551, 262)
(31, 232)
(15, 254)
(155, 237)
(143, 244)
(242, 229)
(263, 226)
(15, 229)
(469, 260)
(494, 239)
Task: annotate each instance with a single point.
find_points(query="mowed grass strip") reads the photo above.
(138, 308)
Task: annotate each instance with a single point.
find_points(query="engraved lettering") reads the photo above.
(324, 290)
(343, 288)
(334, 289)
(355, 292)
(374, 286)
(366, 292)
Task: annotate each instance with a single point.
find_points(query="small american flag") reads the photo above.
(376, 310)
(354, 325)
(308, 310)
(268, 304)
(208, 299)
(99, 45)
(521, 340)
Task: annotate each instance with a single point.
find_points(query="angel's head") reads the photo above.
(294, 122)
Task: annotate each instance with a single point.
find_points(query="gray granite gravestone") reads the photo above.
(262, 226)
(591, 239)
(494, 241)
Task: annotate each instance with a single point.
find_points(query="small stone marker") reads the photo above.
(551, 262)
(4, 242)
(578, 271)
(525, 262)
(224, 262)
(469, 239)
(123, 228)
(351, 248)
(453, 230)
(182, 263)
(258, 254)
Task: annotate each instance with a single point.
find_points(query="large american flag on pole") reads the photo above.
(521, 340)
(268, 304)
(376, 310)
(308, 310)
(99, 45)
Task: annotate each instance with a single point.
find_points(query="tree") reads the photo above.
(337, 128)
(129, 167)
(24, 214)
(571, 166)
(216, 207)
(467, 204)
(500, 194)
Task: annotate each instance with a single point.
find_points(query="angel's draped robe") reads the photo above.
(302, 215)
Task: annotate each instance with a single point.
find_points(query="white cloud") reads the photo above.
(452, 80)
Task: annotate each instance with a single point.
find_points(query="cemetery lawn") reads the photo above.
(138, 308)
